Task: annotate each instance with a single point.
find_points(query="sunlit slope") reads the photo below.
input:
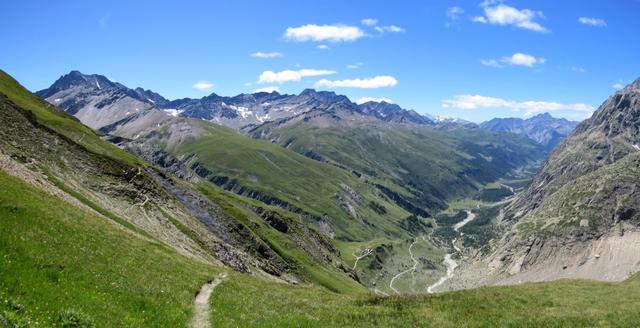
(56, 257)
(322, 193)
(242, 301)
(198, 220)
(428, 166)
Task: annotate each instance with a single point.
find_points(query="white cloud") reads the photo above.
(520, 59)
(592, 21)
(261, 54)
(369, 21)
(453, 14)
(381, 81)
(291, 75)
(267, 89)
(319, 33)
(517, 59)
(471, 102)
(322, 46)
(355, 65)
(363, 100)
(389, 28)
(618, 86)
(578, 69)
(505, 15)
(203, 85)
(491, 63)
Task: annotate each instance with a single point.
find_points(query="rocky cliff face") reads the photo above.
(580, 216)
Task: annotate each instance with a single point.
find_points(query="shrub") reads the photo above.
(71, 318)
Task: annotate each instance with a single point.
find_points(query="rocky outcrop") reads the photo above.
(580, 216)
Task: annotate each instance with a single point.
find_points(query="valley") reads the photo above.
(206, 164)
(304, 215)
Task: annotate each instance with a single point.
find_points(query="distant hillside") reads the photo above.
(543, 128)
(371, 174)
(579, 216)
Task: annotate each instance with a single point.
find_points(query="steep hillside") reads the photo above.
(542, 128)
(62, 261)
(40, 143)
(370, 175)
(426, 166)
(579, 216)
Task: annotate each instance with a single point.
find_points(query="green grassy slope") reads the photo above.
(312, 186)
(61, 122)
(128, 191)
(242, 301)
(56, 257)
(430, 166)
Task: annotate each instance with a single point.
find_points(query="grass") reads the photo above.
(435, 165)
(243, 301)
(312, 186)
(57, 260)
(322, 274)
(61, 122)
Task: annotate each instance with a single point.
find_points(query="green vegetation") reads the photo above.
(495, 194)
(61, 263)
(244, 301)
(60, 122)
(275, 175)
(428, 166)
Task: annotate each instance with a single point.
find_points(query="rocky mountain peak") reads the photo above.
(618, 115)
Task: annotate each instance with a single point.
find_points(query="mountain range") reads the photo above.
(97, 96)
(542, 128)
(264, 192)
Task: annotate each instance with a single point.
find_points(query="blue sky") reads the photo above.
(470, 59)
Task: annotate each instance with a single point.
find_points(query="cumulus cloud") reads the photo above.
(389, 28)
(203, 85)
(470, 102)
(291, 75)
(505, 15)
(322, 46)
(261, 54)
(363, 100)
(381, 81)
(520, 59)
(453, 14)
(369, 22)
(592, 21)
(517, 59)
(321, 33)
(491, 63)
(267, 89)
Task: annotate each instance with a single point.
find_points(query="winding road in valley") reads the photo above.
(449, 262)
(366, 252)
(413, 268)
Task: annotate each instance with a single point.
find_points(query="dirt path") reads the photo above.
(413, 268)
(201, 303)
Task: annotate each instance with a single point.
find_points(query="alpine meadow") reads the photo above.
(320, 164)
